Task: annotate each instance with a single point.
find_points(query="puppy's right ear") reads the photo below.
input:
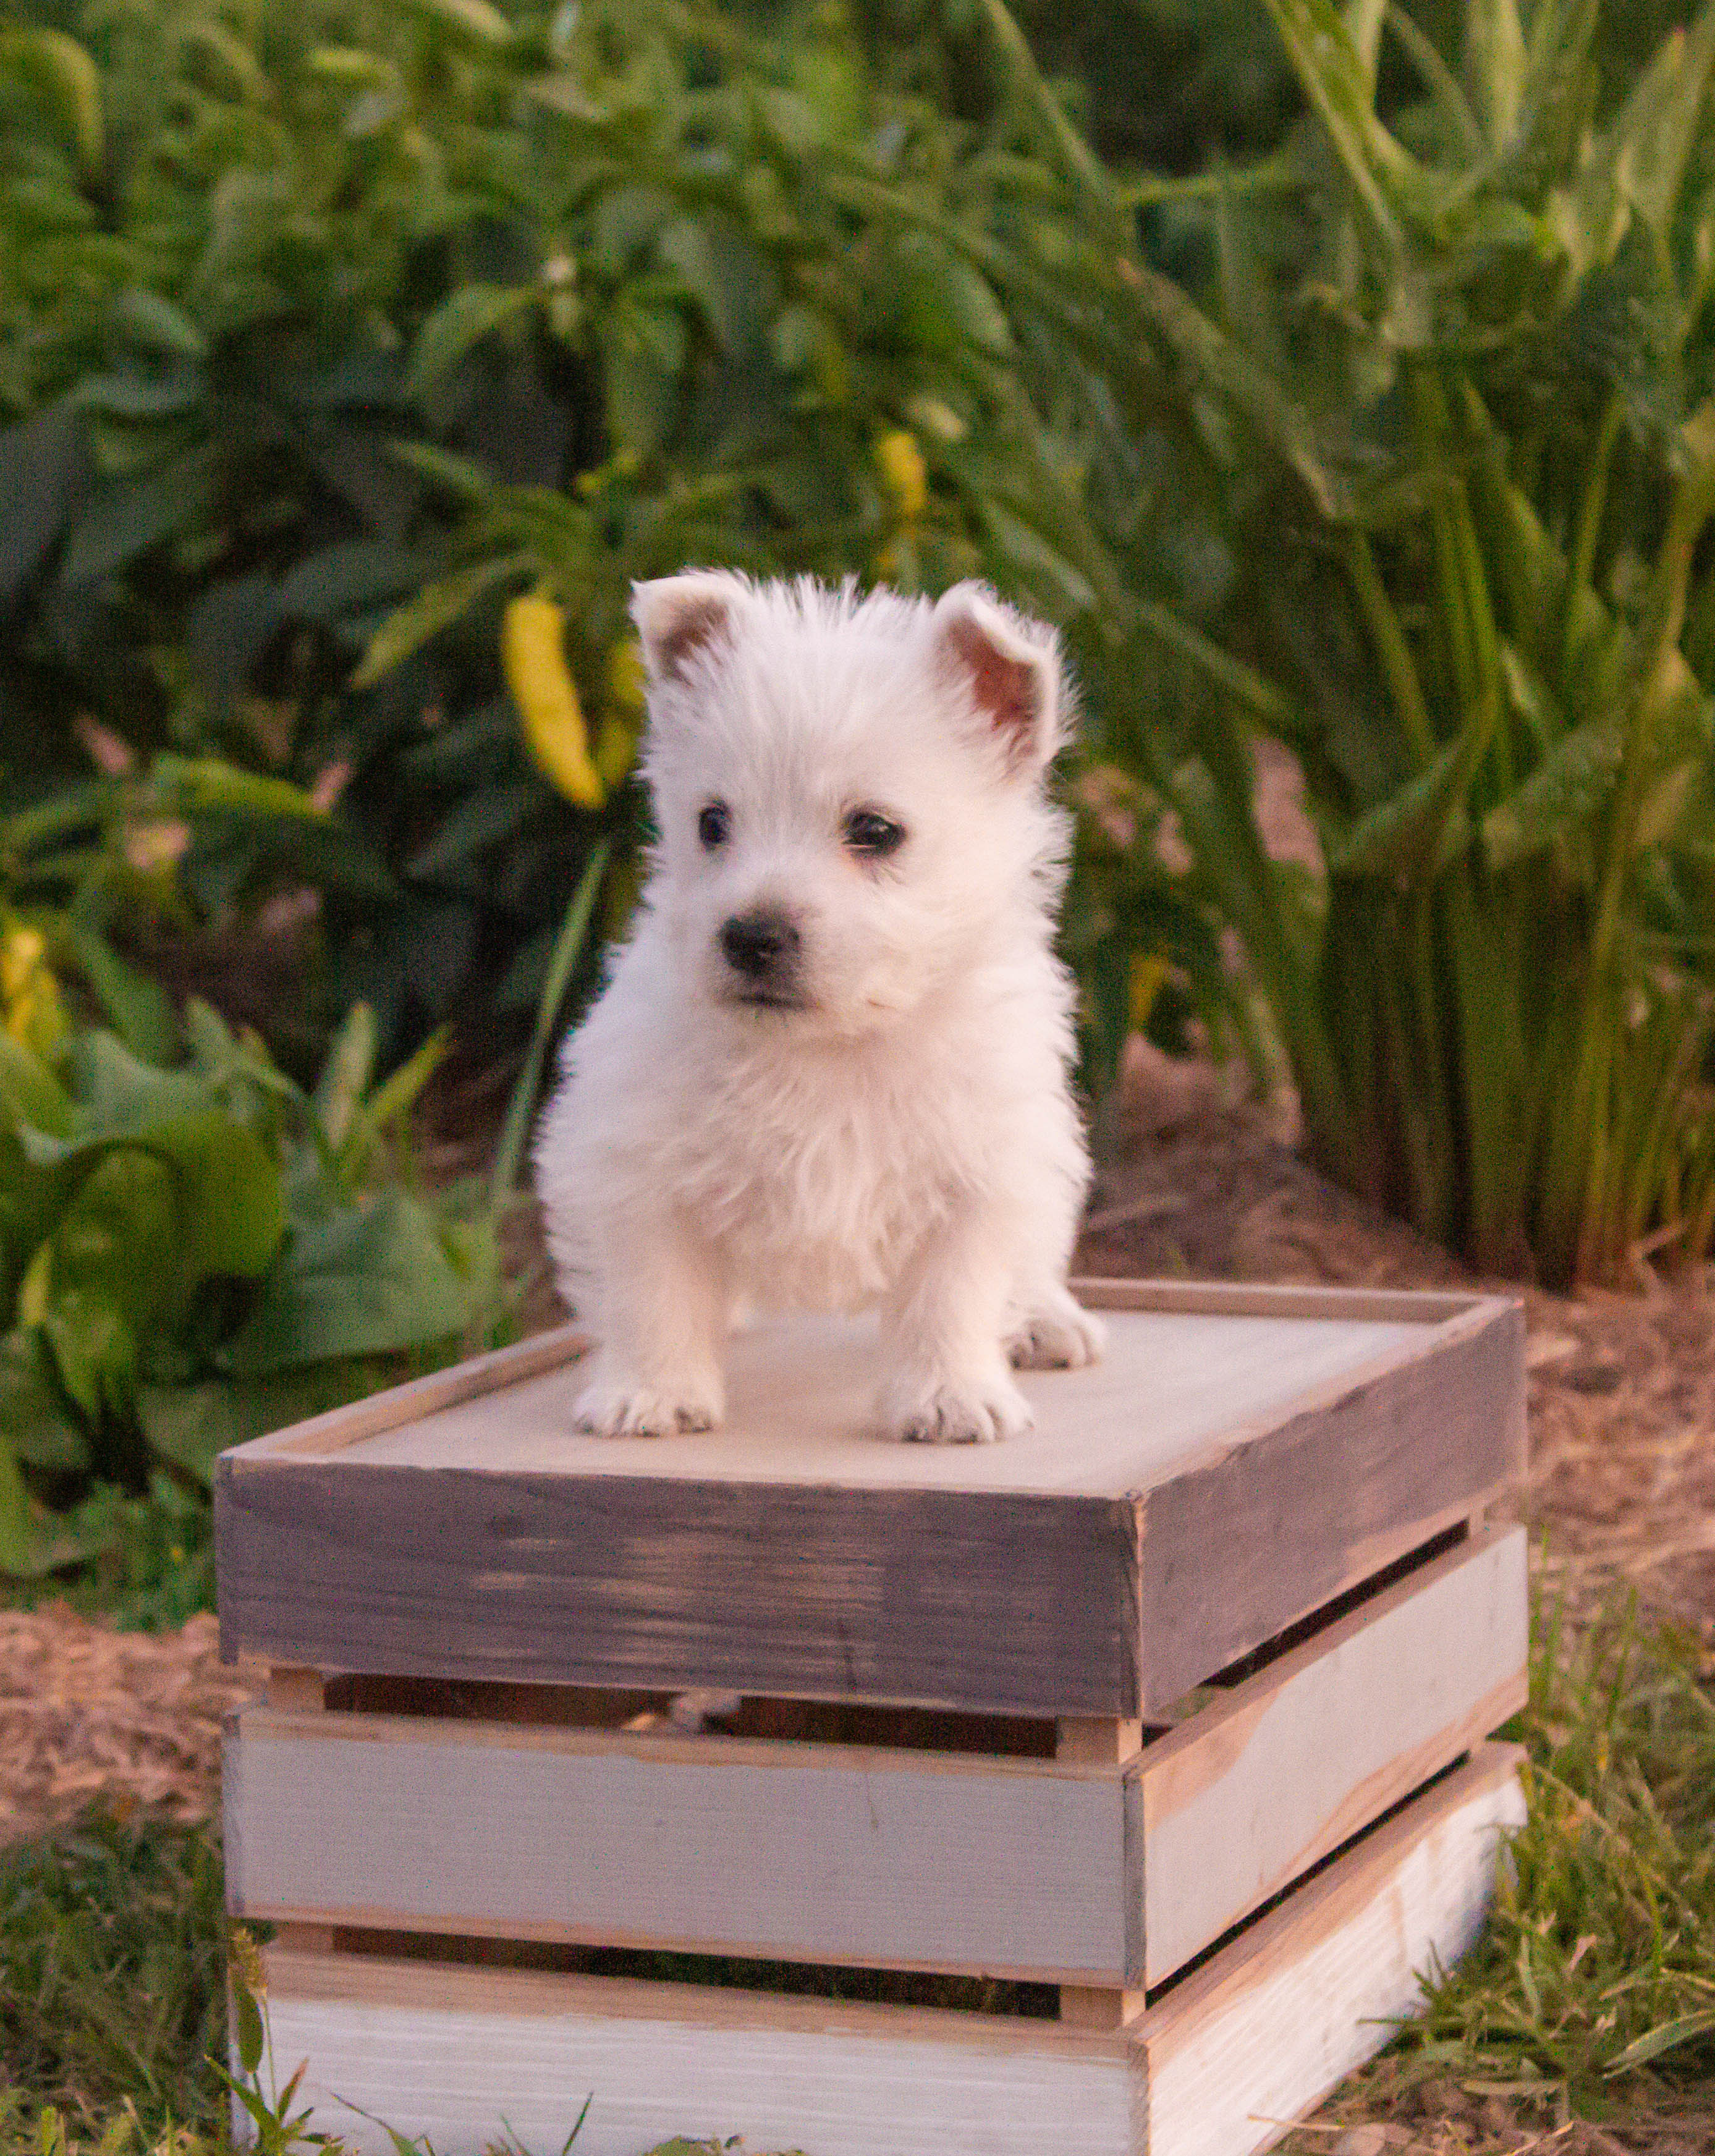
(678, 617)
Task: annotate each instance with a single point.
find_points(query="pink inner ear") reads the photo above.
(1007, 691)
(701, 623)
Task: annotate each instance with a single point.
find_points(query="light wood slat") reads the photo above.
(1260, 2033)
(1082, 1870)
(786, 1851)
(1246, 1796)
(1274, 2021)
(1219, 1475)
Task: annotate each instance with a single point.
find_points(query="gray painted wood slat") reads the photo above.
(1083, 1874)
(1255, 2035)
(1102, 1566)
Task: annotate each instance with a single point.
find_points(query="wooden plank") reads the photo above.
(1108, 1866)
(1259, 1299)
(1255, 2036)
(1104, 2007)
(1251, 1793)
(1219, 1475)
(445, 2052)
(1096, 1740)
(780, 1851)
(1263, 2030)
(296, 1691)
(985, 1601)
(337, 1428)
(1289, 1515)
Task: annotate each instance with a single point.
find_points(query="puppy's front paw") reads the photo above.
(611, 1407)
(951, 1412)
(1058, 1336)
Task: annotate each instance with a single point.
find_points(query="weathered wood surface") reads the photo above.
(1246, 1796)
(782, 1851)
(1256, 2035)
(1110, 1865)
(1228, 1467)
(1275, 2021)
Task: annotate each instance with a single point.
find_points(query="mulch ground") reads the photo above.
(1621, 1489)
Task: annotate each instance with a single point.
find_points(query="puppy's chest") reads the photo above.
(816, 1199)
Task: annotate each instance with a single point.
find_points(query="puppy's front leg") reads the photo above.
(659, 1307)
(949, 1381)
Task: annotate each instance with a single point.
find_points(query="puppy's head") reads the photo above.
(849, 792)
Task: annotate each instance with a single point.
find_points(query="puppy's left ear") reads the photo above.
(1009, 666)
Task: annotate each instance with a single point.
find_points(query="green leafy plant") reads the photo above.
(1440, 462)
(327, 333)
(196, 1254)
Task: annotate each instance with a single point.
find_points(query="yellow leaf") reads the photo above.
(533, 652)
(901, 465)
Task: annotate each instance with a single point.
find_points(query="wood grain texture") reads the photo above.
(1257, 2035)
(1250, 1793)
(1106, 1866)
(779, 1851)
(1288, 1517)
(1263, 2030)
(994, 1603)
(445, 2052)
(1225, 1470)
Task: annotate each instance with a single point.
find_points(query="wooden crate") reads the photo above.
(1068, 1712)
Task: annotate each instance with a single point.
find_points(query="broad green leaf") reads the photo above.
(436, 607)
(1649, 144)
(473, 19)
(138, 1007)
(34, 1418)
(346, 1073)
(482, 818)
(95, 1351)
(1332, 75)
(1409, 835)
(129, 516)
(44, 472)
(191, 1425)
(29, 1092)
(1495, 61)
(368, 1280)
(249, 2031)
(61, 71)
(205, 785)
(159, 324)
(461, 321)
(348, 578)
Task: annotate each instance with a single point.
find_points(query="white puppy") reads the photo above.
(829, 1068)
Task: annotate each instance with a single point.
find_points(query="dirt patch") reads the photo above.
(86, 1711)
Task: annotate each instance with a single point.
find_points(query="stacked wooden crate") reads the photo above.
(1168, 1722)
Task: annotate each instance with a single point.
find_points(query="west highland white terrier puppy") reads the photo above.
(829, 1068)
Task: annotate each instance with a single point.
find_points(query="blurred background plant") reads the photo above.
(1336, 379)
(192, 1255)
(1442, 466)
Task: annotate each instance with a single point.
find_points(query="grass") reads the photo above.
(1592, 1995)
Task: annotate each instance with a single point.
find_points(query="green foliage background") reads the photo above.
(1374, 414)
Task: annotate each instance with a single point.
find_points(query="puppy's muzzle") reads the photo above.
(765, 951)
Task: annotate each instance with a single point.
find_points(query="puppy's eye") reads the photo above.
(714, 826)
(868, 832)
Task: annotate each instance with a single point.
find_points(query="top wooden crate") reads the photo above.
(1242, 1456)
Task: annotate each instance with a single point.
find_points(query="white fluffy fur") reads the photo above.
(903, 1136)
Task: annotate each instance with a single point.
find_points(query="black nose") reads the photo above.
(759, 944)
